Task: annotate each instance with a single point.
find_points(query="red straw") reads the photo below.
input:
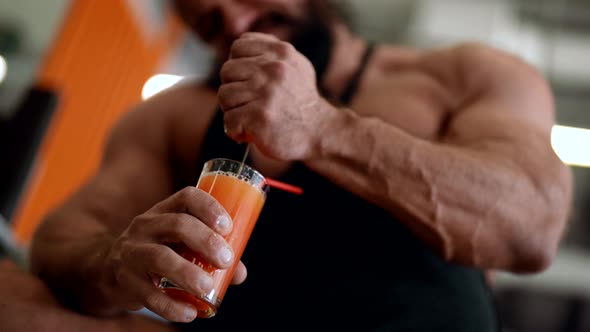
(284, 186)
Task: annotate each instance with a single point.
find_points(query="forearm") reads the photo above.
(472, 207)
(69, 248)
(68, 252)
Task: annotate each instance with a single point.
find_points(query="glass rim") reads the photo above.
(244, 165)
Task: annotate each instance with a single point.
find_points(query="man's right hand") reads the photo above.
(141, 255)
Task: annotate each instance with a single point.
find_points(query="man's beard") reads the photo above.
(313, 38)
(314, 41)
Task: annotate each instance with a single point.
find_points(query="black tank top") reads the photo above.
(330, 261)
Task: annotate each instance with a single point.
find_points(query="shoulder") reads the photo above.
(477, 68)
(169, 126)
(462, 64)
(177, 100)
(470, 70)
(160, 121)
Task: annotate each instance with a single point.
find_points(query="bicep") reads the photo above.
(125, 188)
(508, 109)
(507, 126)
(149, 151)
(133, 175)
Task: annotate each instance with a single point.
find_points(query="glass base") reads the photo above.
(206, 306)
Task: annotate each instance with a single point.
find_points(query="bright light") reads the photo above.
(158, 83)
(572, 145)
(2, 69)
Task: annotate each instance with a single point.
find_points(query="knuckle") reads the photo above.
(127, 249)
(223, 104)
(265, 119)
(264, 107)
(266, 91)
(226, 70)
(277, 69)
(237, 46)
(283, 49)
(178, 225)
(160, 256)
(213, 211)
(215, 243)
(191, 274)
(263, 115)
(226, 99)
(188, 192)
(157, 302)
(222, 92)
(186, 196)
(137, 224)
(188, 270)
(258, 79)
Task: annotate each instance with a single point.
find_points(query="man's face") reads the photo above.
(220, 22)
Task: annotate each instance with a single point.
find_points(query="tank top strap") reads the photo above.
(353, 84)
(217, 144)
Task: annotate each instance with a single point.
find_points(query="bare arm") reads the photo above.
(34, 307)
(103, 249)
(490, 193)
(133, 176)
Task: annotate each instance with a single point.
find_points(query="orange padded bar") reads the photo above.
(98, 64)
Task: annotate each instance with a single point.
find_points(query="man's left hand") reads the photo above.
(269, 97)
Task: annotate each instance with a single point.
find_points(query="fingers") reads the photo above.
(240, 274)
(161, 304)
(236, 121)
(168, 308)
(183, 228)
(236, 94)
(199, 204)
(239, 70)
(163, 261)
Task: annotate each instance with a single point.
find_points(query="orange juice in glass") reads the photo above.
(242, 192)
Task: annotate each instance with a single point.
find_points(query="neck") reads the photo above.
(345, 59)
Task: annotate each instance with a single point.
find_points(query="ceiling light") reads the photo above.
(572, 145)
(158, 83)
(3, 69)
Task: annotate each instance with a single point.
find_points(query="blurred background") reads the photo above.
(70, 68)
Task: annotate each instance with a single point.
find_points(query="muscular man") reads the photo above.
(421, 170)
